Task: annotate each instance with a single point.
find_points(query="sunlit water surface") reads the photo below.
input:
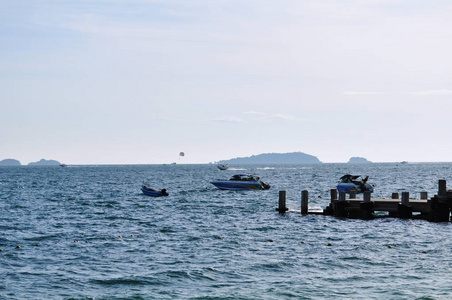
(87, 232)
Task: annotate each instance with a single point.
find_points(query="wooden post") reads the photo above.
(329, 210)
(366, 206)
(440, 211)
(339, 208)
(366, 196)
(424, 195)
(405, 198)
(395, 196)
(404, 209)
(304, 202)
(333, 193)
(352, 194)
(442, 187)
(282, 202)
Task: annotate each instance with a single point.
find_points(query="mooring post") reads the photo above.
(424, 195)
(439, 204)
(366, 206)
(329, 210)
(366, 196)
(339, 210)
(442, 188)
(440, 211)
(282, 202)
(405, 198)
(304, 202)
(394, 196)
(342, 196)
(404, 209)
(333, 193)
(352, 194)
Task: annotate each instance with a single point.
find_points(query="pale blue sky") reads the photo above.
(138, 81)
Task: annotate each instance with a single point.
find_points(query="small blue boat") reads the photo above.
(153, 193)
(354, 183)
(241, 182)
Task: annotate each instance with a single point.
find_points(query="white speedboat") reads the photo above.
(222, 167)
(241, 182)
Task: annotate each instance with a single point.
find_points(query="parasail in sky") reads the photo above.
(182, 154)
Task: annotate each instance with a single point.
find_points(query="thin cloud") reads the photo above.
(255, 113)
(419, 93)
(256, 116)
(356, 93)
(228, 119)
(433, 92)
(253, 116)
(287, 117)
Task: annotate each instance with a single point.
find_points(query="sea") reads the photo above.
(88, 232)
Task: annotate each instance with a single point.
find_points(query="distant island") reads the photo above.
(10, 162)
(44, 162)
(275, 158)
(359, 160)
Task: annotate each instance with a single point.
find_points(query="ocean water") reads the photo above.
(87, 232)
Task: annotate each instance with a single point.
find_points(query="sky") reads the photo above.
(139, 81)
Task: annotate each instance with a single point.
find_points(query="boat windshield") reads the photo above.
(353, 178)
(244, 177)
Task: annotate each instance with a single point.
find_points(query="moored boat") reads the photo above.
(241, 182)
(356, 183)
(151, 192)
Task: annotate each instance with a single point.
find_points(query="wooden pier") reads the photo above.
(436, 209)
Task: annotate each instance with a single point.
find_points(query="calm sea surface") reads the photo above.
(87, 232)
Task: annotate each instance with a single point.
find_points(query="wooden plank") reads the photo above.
(388, 200)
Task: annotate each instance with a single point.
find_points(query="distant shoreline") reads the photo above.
(238, 164)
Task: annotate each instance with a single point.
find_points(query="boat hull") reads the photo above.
(153, 193)
(351, 187)
(237, 185)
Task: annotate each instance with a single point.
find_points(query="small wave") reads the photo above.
(167, 230)
(273, 266)
(192, 191)
(41, 238)
(129, 281)
(176, 274)
(191, 275)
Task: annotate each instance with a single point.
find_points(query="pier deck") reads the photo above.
(436, 209)
(390, 205)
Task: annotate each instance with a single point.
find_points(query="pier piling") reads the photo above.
(341, 205)
(440, 205)
(282, 202)
(304, 202)
(424, 195)
(333, 193)
(404, 210)
(442, 188)
(367, 206)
